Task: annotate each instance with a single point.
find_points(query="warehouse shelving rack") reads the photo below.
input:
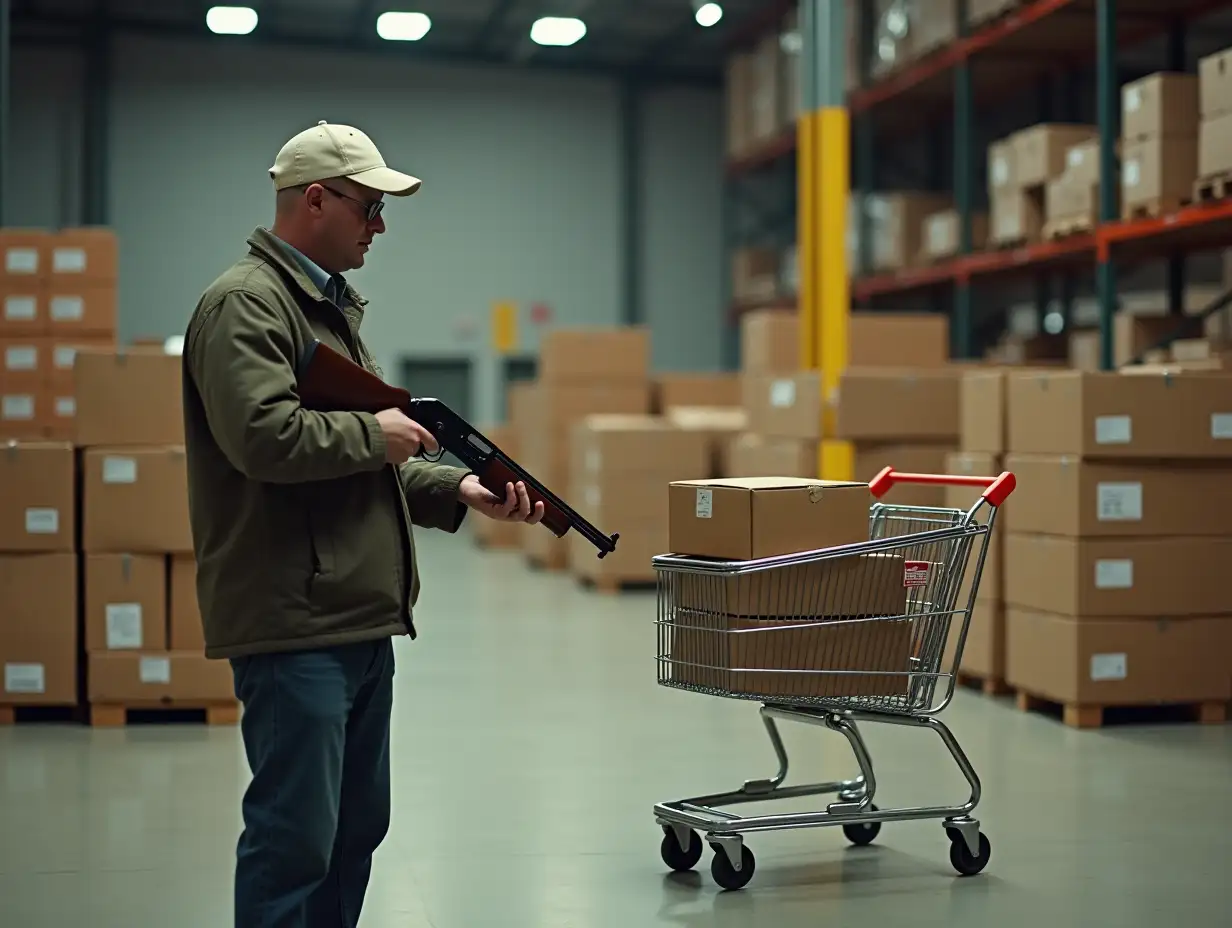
(1035, 41)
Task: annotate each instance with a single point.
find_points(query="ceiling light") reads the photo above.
(557, 30)
(708, 14)
(402, 27)
(231, 20)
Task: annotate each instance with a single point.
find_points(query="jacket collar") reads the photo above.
(267, 245)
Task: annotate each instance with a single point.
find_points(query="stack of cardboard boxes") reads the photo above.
(1071, 199)
(1117, 538)
(1159, 143)
(763, 89)
(57, 294)
(1020, 169)
(1215, 127)
(581, 372)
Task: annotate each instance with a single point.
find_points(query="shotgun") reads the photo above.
(329, 382)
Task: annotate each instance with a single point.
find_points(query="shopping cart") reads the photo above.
(867, 632)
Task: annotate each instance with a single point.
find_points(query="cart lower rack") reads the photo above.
(868, 632)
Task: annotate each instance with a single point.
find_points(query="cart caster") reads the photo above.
(725, 874)
(679, 858)
(862, 833)
(961, 858)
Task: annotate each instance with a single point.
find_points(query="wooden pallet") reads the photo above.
(1151, 209)
(1064, 228)
(611, 586)
(1210, 189)
(1008, 244)
(105, 715)
(989, 686)
(1076, 716)
(40, 715)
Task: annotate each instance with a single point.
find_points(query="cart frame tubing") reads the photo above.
(854, 804)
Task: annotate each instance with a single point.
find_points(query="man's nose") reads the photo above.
(377, 225)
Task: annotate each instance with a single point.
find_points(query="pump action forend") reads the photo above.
(331, 382)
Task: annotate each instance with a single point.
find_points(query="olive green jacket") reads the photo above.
(302, 531)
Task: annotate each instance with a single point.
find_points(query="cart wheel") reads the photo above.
(728, 876)
(862, 833)
(962, 859)
(678, 858)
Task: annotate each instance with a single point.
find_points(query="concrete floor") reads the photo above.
(531, 743)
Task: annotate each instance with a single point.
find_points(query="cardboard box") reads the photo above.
(984, 650)
(25, 364)
(978, 464)
(756, 517)
(752, 455)
(38, 505)
(27, 256)
(146, 678)
(118, 482)
(981, 405)
(82, 308)
(1065, 198)
(1215, 84)
(899, 405)
(23, 307)
(1084, 350)
(1158, 105)
(38, 629)
(979, 11)
(896, 226)
(934, 25)
(700, 389)
(1117, 660)
(1015, 216)
(126, 602)
(1040, 151)
(1157, 173)
(1001, 175)
(24, 414)
(1215, 146)
(184, 629)
(717, 426)
(1082, 167)
(595, 354)
(1061, 495)
(628, 446)
(870, 460)
(755, 274)
(785, 406)
(942, 234)
(738, 99)
(128, 397)
(1145, 577)
(897, 339)
(769, 342)
(1133, 336)
(84, 255)
(766, 89)
(1111, 415)
(561, 405)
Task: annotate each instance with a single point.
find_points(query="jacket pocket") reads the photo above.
(320, 546)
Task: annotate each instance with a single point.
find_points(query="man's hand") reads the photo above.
(403, 437)
(515, 507)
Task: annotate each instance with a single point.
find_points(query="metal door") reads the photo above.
(446, 379)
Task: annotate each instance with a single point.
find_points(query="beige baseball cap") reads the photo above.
(329, 150)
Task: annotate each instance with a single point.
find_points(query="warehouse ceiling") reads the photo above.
(657, 38)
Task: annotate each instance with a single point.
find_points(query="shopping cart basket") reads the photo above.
(868, 632)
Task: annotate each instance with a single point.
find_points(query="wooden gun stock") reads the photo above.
(329, 381)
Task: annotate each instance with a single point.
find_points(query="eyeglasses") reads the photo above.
(371, 209)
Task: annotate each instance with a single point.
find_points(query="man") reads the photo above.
(302, 526)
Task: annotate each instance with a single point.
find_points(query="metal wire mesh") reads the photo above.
(862, 627)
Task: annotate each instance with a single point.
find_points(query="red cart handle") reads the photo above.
(996, 492)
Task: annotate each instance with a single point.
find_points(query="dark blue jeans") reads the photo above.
(316, 731)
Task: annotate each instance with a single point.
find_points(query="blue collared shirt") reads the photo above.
(333, 286)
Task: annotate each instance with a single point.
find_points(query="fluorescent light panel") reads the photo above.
(557, 30)
(402, 27)
(708, 14)
(231, 20)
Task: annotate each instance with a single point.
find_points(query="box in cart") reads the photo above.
(754, 517)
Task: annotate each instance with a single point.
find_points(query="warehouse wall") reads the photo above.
(521, 196)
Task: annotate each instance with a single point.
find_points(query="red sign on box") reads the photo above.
(915, 574)
(540, 313)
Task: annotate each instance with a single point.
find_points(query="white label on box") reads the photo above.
(1221, 425)
(20, 308)
(1109, 667)
(1114, 575)
(119, 470)
(66, 406)
(67, 309)
(1073, 157)
(42, 521)
(24, 678)
(124, 625)
(1119, 502)
(68, 261)
(1132, 173)
(936, 233)
(17, 406)
(21, 261)
(64, 356)
(155, 670)
(592, 496)
(1000, 172)
(782, 393)
(1133, 99)
(21, 358)
(704, 507)
(1114, 430)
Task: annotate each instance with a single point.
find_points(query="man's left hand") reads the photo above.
(515, 507)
